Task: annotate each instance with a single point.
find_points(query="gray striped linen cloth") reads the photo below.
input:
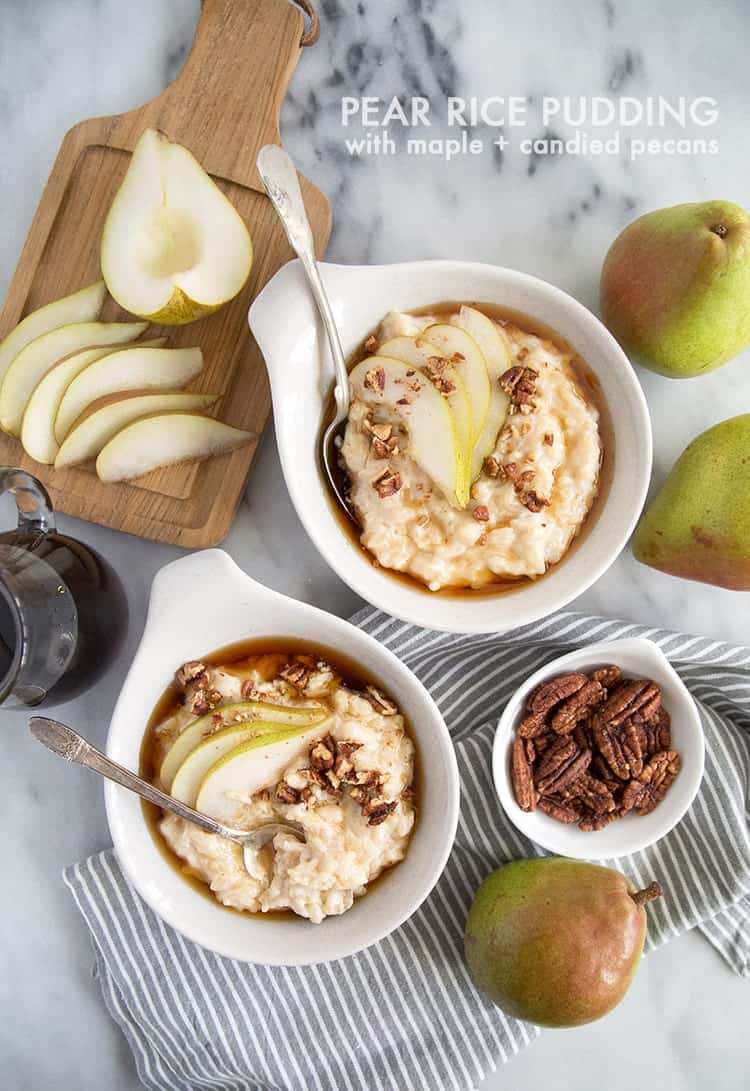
(404, 1014)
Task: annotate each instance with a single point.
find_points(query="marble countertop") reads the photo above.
(555, 217)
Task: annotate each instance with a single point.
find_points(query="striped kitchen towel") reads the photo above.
(404, 1014)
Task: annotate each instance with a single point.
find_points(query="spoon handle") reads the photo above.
(62, 740)
(282, 185)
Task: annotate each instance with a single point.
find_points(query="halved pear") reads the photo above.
(96, 428)
(173, 246)
(34, 361)
(409, 395)
(498, 358)
(257, 763)
(419, 352)
(136, 369)
(190, 773)
(251, 712)
(38, 425)
(163, 440)
(82, 306)
(462, 350)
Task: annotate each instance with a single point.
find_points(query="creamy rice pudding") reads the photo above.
(283, 735)
(526, 439)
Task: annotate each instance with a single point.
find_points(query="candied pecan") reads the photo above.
(543, 742)
(519, 383)
(593, 794)
(188, 672)
(620, 745)
(592, 822)
(583, 735)
(576, 707)
(550, 693)
(656, 778)
(634, 695)
(382, 704)
(523, 782)
(656, 734)
(387, 483)
(532, 725)
(296, 674)
(286, 794)
(375, 379)
(322, 756)
(563, 812)
(566, 771)
(631, 795)
(530, 750)
(560, 750)
(607, 676)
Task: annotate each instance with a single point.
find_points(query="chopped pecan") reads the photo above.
(286, 794)
(548, 439)
(481, 513)
(342, 767)
(296, 674)
(620, 745)
(656, 779)
(382, 704)
(382, 431)
(387, 483)
(576, 707)
(521, 775)
(375, 379)
(634, 695)
(532, 500)
(519, 383)
(371, 344)
(380, 449)
(566, 772)
(563, 812)
(249, 690)
(607, 676)
(492, 466)
(315, 776)
(204, 700)
(550, 693)
(377, 810)
(347, 747)
(188, 672)
(322, 756)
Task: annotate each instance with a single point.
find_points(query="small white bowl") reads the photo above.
(199, 604)
(286, 325)
(638, 658)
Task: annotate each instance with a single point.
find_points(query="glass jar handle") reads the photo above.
(35, 511)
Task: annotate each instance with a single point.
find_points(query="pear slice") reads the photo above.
(498, 358)
(38, 425)
(190, 773)
(173, 247)
(163, 440)
(250, 712)
(409, 396)
(257, 763)
(82, 306)
(419, 352)
(136, 369)
(33, 362)
(463, 351)
(96, 428)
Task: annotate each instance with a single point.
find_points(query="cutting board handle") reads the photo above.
(243, 56)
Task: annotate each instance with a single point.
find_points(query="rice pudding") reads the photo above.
(530, 463)
(335, 757)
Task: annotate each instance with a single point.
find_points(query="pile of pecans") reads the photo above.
(593, 747)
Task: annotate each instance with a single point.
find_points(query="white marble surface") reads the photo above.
(683, 1025)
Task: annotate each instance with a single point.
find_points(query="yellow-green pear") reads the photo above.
(698, 526)
(675, 287)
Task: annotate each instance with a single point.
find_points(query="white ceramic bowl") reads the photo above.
(285, 324)
(199, 604)
(638, 658)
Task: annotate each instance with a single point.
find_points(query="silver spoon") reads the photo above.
(282, 186)
(62, 740)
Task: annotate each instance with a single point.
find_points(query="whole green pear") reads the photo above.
(675, 287)
(698, 526)
(556, 941)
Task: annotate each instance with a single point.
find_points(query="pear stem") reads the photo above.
(720, 230)
(640, 897)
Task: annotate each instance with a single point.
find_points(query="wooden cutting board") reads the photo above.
(224, 106)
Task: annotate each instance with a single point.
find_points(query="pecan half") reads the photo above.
(576, 707)
(563, 812)
(620, 745)
(532, 725)
(634, 695)
(548, 694)
(593, 822)
(656, 734)
(595, 795)
(607, 676)
(656, 779)
(523, 781)
(566, 772)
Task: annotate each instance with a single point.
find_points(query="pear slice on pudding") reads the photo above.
(462, 350)
(34, 361)
(410, 397)
(190, 774)
(174, 248)
(257, 763)
(498, 358)
(138, 368)
(38, 425)
(82, 306)
(421, 353)
(96, 428)
(164, 440)
(251, 712)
